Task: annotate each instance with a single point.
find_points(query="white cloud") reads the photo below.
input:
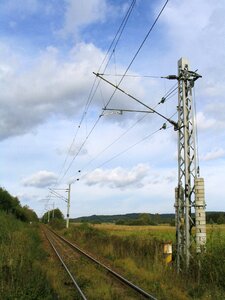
(213, 119)
(174, 16)
(204, 122)
(217, 108)
(82, 13)
(213, 154)
(41, 179)
(25, 197)
(195, 29)
(214, 89)
(47, 91)
(52, 87)
(119, 177)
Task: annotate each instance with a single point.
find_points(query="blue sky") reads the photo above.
(48, 51)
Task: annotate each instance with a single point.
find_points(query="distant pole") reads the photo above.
(68, 207)
(48, 216)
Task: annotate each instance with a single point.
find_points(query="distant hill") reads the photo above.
(126, 218)
(144, 218)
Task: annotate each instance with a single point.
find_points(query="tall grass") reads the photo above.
(140, 258)
(21, 257)
(213, 262)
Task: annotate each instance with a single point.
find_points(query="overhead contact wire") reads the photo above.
(123, 151)
(91, 94)
(124, 133)
(137, 52)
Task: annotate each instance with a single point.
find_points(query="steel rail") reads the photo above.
(118, 276)
(66, 268)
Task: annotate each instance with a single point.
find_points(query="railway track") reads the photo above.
(61, 245)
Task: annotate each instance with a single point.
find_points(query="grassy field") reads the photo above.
(27, 272)
(164, 232)
(21, 261)
(136, 252)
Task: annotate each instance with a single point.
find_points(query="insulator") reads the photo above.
(171, 77)
(163, 100)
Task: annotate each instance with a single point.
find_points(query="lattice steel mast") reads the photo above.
(190, 190)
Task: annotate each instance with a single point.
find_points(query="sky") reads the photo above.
(53, 130)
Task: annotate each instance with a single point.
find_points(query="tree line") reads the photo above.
(146, 219)
(11, 205)
(51, 215)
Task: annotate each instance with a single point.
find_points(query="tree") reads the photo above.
(221, 219)
(145, 219)
(57, 215)
(7, 202)
(12, 205)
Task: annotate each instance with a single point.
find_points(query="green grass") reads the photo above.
(161, 232)
(21, 259)
(137, 253)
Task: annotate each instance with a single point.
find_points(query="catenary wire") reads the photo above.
(116, 40)
(130, 75)
(94, 89)
(115, 141)
(167, 96)
(168, 93)
(196, 133)
(150, 30)
(139, 101)
(81, 147)
(124, 133)
(115, 91)
(172, 90)
(123, 151)
(137, 52)
(94, 86)
(130, 147)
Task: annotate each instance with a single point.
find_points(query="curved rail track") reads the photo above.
(55, 238)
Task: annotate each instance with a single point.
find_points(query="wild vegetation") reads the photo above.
(11, 205)
(136, 252)
(21, 254)
(21, 259)
(52, 215)
(27, 272)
